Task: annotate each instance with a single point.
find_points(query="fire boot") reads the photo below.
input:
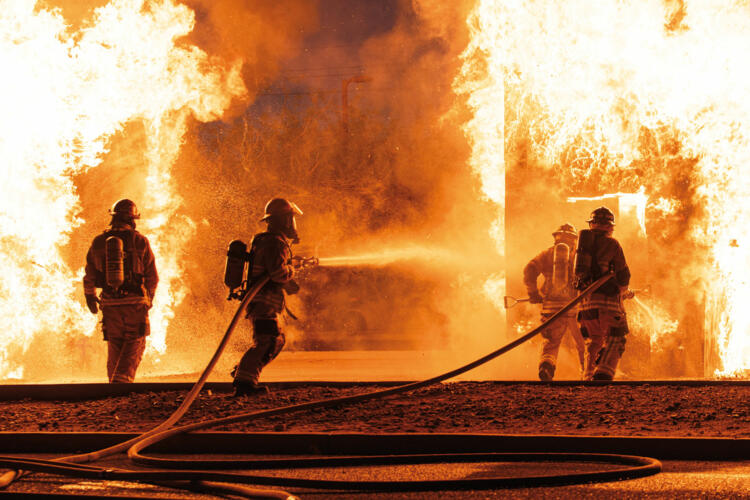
(546, 371)
(248, 389)
(610, 355)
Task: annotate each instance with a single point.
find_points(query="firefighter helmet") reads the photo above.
(602, 215)
(125, 208)
(280, 207)
(280, 214)
(566, 230)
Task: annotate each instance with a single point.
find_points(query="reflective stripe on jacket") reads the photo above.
(544, 264)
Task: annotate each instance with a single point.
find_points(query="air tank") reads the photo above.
(234, 271)
(584, 255)
(560, 269)
(114, 262)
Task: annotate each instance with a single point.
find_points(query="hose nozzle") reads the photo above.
(304, 262)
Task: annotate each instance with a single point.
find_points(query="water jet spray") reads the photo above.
(424, 254)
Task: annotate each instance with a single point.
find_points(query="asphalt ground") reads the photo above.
(679, 479)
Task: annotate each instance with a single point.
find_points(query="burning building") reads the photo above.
(463, 131)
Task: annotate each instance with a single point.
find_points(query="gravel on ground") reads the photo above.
(467, 407)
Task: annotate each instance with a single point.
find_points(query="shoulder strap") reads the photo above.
(260, 238)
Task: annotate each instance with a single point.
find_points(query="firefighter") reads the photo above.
(271, 255)
(601, 315)
(556, 266)
(120, 262)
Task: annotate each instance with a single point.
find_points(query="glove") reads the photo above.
(580, 283)
(535, 297)
(291, 287)
(92, 302)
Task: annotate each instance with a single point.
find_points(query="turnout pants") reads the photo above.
(604, 331)
(552, 338)
(125, 329)
(268, 341)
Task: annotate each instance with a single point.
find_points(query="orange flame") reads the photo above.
(633, 202)
(660, 326)
(481, 81)
(587, 84)
(64, 94)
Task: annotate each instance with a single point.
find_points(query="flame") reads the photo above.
(494, 290)
(629, 202)
(614, 95)
(64, 95)
(481, 82)
(659, 327)
(524, 326)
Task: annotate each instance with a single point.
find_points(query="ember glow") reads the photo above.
(64, 96)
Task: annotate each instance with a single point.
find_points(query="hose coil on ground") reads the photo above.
(173, 471)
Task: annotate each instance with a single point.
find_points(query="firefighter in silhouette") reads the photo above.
(555, 264)
(120, 262)
(271, 255)
(601, 315)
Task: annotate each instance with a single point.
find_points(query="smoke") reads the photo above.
(390, 180)
(261, 34)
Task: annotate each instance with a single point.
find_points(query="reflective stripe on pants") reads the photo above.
(125, 328)
(268, 343)
(553, 337)
(604, 332)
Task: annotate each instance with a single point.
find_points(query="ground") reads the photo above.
(476, 407)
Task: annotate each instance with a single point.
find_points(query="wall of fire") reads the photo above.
(434, 98)
(667, 339)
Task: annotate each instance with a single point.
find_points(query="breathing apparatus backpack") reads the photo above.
(239, 264)
(583, 274)
(559, 286)
(235, 269)
(114, 259)
(121, 274)
(587, 268)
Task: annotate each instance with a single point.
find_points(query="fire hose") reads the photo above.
(71, 462)
(173, 472)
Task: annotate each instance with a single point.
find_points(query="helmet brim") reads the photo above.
(600, 221)
(295, 210)
(128, 215)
